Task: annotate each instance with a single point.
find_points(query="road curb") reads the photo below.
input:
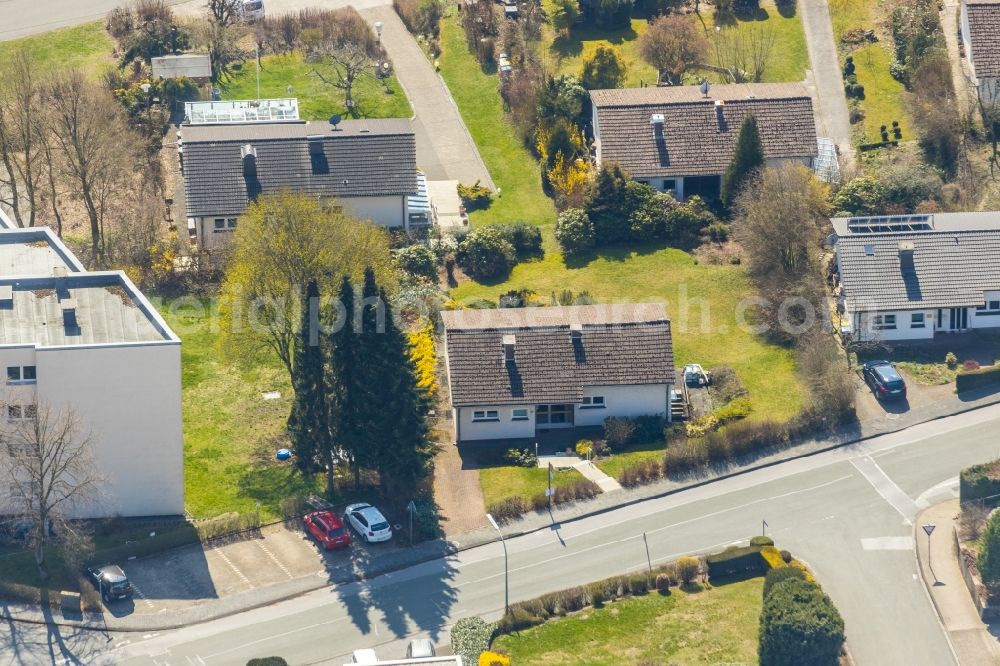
(923, 581)
(455, 547)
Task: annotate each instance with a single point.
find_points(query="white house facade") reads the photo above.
(916, 277)
(92, 343)
(366, 166)
(681, 139)
(515, 372)
(980, 26)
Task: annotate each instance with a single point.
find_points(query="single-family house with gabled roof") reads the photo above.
(981, 38)
(515, 371)
(681, 139)
(368, 166)
(913, 277)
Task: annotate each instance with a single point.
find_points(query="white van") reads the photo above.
(253, 10)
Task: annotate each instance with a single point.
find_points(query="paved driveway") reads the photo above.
(445, 150)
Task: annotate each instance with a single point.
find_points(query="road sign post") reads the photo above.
(549, 492)
(648, 560)
(411, 509)
(929, 529)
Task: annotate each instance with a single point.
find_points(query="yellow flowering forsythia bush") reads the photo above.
(424, 356)
(493, 659)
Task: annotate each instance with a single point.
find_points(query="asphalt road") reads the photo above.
(848, 513)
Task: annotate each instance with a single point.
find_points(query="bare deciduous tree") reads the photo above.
(97, 148)
(744, 54)
(341, 66)
(50, 469)
(22, 138)
(225, 12)
(673, 45)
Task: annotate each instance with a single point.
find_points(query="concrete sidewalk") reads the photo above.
(445, 149)
(970, 638)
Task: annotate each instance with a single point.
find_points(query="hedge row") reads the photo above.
(972, 379)
(759, 557)
(799, 623)
(979, 482)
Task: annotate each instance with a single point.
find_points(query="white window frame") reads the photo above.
(485, 415)
(884, 322)
(918, 323)
(227, 224)
(519, 414)
(593, 402)
(21, 379)
(991, 307)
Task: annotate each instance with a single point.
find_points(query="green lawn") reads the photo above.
(512, 167)
(702, 301)
(230, 431)
(499, 483)
(718, 625)
(883, 101)
(317, 101)
(86, 46)
(619, 461)
(565, 55)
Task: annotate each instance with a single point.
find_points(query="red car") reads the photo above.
(326, 528)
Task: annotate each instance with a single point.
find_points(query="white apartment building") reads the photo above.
(92, 342)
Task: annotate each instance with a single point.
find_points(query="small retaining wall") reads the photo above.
(986, 612)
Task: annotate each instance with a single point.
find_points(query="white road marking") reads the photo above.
(275, 637)
(886, 487)
(216, 550)
(888, 543)
(947, 488)
(135, 588)
(274, 559)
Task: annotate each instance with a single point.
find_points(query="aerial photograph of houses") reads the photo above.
(500, 332)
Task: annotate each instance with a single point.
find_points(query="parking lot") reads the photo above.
(185, 576)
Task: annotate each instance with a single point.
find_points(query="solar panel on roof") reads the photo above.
(890, 223)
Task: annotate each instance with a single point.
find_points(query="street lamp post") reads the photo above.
(506, 579)
(378, 32)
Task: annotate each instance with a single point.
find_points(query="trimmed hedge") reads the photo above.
(799, 625)
(757, 558)
(979, 481)
(977, 378)
(775, 576)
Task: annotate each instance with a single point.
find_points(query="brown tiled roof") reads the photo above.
(360, 158)
(698, 137)
(618, 345)
(984, 36)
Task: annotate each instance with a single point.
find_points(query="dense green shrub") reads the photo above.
(521, 457)
(574, 231)
(470, 637)
(648, 428)
(761, 541)
(799, 625)
(508, 509)
(417, 260)
(421, 17)
(605, 68)
(526, 239)
(618, 431)
(485, 253)
(688, 569)
(977, 378)
(475, 196)
(775, 576)
(979, 481)
(989, 550)
(267, 661)
(662, 582)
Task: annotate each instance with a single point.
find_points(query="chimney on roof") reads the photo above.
(68, 306)
(575, 332)
(906, 249)
(719, 106)
(657, 120)
(508, 348)
(249, 155)
(59, 271)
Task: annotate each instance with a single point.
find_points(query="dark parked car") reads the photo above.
(110, 581)
(327, 529)
(884, 380)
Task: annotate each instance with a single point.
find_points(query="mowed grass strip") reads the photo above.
(87, 47)
(717, 625)
(499, 483)
(511, 165)
(317, 101)
(704, 303)
(230, 431)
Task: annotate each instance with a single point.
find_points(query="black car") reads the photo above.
(884, 380)
(110, 581)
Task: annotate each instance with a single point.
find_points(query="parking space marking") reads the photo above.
(135, 588)
(225, 558)
(274, 559)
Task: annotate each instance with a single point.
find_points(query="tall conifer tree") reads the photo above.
(749, 157)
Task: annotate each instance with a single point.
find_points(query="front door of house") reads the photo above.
(958, 319)
(554, 416)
